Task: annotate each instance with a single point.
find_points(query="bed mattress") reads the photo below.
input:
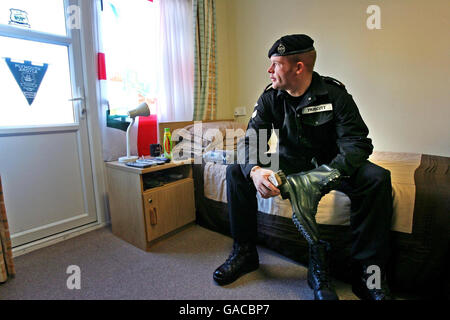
(334, 208)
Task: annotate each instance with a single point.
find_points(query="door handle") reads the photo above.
(81, 107)
(77, 99)
(153, 216)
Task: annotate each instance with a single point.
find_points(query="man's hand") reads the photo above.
(261, 181)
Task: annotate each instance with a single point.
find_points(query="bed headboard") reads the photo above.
(177, 125)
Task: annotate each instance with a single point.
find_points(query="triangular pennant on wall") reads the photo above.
(28, 76)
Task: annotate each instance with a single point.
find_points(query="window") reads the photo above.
(130, 38)
(35, 75)
(149, 53)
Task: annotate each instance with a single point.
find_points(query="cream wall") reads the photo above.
(398, 76)
(224, 109)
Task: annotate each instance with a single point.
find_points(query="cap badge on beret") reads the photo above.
(291, 44)
(281, 49)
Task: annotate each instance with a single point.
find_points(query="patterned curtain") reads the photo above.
(6, 260)
(205, 81)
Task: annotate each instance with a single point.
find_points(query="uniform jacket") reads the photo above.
(324, 124)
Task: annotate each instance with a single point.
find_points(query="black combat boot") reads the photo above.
(304, 190)
(319, 272)
(374, 289)
(243, 259)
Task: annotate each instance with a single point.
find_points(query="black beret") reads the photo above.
(291, 44)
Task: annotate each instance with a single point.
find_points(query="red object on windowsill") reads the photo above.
(147, 134)
(101, 66)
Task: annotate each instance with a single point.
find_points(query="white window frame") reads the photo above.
(75, 61)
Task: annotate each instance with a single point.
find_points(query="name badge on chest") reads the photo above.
(319, 108)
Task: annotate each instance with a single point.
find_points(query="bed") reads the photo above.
(420, 225)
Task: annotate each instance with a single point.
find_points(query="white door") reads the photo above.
(44, 148)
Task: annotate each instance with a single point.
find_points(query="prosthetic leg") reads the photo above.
(304, 190)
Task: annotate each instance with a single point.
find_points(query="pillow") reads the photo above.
(202, 137)
(212, 135)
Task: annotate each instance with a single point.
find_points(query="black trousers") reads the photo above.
(369, 190)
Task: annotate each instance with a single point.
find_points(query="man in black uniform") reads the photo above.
(317, 119)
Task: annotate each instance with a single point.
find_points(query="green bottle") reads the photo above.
(167, 143)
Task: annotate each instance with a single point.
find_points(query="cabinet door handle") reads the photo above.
(153, 216)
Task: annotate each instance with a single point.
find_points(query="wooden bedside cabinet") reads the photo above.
(141, 211)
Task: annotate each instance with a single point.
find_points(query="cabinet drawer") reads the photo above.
(168, 208)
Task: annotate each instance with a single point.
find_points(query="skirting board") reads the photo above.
(35, 245)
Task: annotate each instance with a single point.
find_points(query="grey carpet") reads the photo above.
(178, 268)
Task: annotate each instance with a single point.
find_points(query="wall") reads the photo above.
(224, 109)
(398, 76)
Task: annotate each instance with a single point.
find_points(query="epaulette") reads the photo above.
(334, 81)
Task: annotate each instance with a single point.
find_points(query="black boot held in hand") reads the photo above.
(243, 259)
(374, 289)
(304, 190)
(319, 272)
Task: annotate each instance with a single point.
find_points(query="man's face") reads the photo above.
(282, 72)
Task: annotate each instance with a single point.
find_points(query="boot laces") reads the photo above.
(329, 183)
(233, 253)
(236, 250)
(323, 277)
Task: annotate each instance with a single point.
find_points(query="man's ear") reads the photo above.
(300, 67)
